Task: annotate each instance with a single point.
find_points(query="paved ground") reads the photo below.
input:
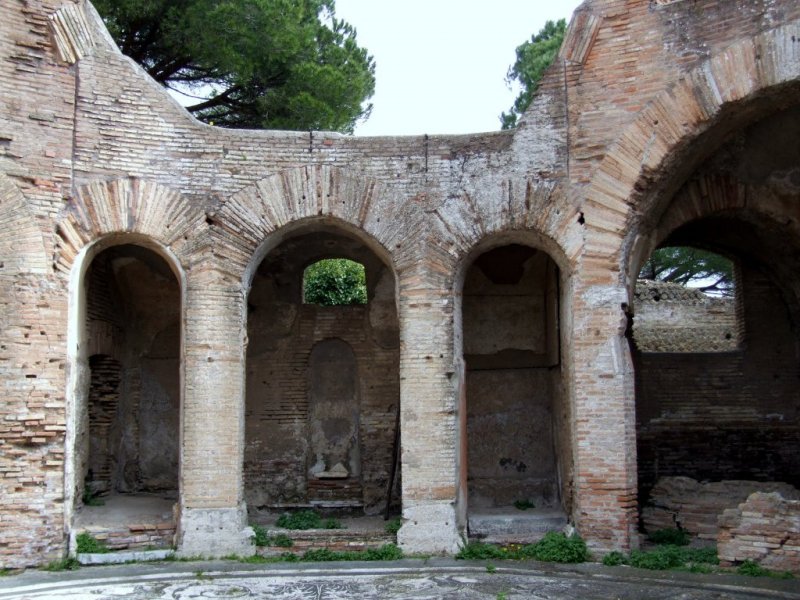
(432, 579)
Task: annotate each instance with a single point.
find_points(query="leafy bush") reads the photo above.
(481, 551)
(702, 555)
(613, 559)
(553, 547)
(660, 559)
(673, 537)
(393, 526)
(88, 544)
(557, 547)
(752, 569)
(335, 281)
(306, 519)
(261, 539)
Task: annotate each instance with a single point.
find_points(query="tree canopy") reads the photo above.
(533, 58)
(707, 271)
(335, 281)
(278, 64)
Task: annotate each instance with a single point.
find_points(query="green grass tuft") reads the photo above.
(88, 544)
(393, 526)
(65, 564)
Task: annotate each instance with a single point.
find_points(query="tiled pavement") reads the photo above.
(408, 579)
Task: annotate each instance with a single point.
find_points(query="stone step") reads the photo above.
(514, 526)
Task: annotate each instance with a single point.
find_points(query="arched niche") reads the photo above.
(124, 392)
(322, 382)
(518, 441)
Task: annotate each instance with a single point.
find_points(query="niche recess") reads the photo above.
(517, 444)
(323, 388)
(128, 443)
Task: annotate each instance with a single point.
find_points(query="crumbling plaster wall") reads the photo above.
(611, 135)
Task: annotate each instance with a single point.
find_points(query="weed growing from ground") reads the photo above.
(385, 552)
(262, 538)
(523, 504)
(490, 568)
(306, 519)
(65, 564)
(613, 559)
(753, 569)
(88, 544)
(90, 498)
(393, 526)
(553, 547)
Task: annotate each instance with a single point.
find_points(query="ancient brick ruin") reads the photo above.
(155, 341)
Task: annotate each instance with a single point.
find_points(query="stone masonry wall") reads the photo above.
(94, 154)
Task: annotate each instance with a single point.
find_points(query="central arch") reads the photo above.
(322, 382)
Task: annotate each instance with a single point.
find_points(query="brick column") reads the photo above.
(605, 419)
(213, 515)
(429, 424)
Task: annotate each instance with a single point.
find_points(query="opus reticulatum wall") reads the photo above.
(659, 122)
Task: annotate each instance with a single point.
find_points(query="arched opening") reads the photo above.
(517, 425)
(127, 434)
(335, 282)
(323, 387)
(717, 396)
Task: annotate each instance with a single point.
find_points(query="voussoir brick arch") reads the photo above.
(534, 213)
(255, 219)
(143, 210)
(21, 243)
(621, 194)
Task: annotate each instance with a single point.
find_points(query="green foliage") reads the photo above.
(557, 547)
(385, 552)
(4, 572)
(481, 551)
(281, 541)
(65, 564)
(393, 526)
(490, 568)
(613, 559)
(675, 537)
(686, 265)
(90, 498)
(533, 58)
(263, 539)
(553, 547)
(335, 281)
(523, 504)
(88, 544)
(306, 519)
(753, 569)
(660, 559)
(278, 64)
(670, 556)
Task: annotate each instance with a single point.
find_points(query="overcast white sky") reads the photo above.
(441, 64)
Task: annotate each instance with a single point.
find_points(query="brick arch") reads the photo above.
(526, 212)
(648, 148)
(21, 244)
(295, 197)
(125, 206)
